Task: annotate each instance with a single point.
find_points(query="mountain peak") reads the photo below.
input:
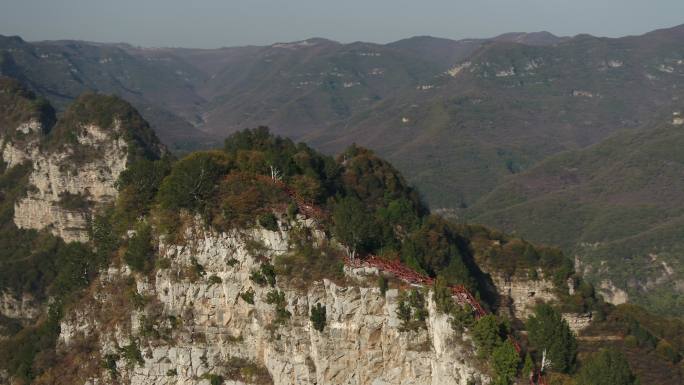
(311, 42)
(19, 107)
(531, 38)
(115, 117)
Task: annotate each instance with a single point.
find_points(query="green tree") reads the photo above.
(193, 180)
(352, 225)
(547, 330)
(140, 252)
(607, 367)
(76, 266)
(318, 317)
(138, 185)
(461, 318)
(436, 249)
(403, 312)
(667, 351)
(103, 234)
(505, 360)
(383, 284)
(528, 366)
(268, 221)
(487, 335)
(442, 296)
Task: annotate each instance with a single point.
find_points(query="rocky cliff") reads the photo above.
(519, 295)
(56, 179)
(215, 329)
(187, 285)
(75, 167)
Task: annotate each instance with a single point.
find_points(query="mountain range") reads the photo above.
(575, 135)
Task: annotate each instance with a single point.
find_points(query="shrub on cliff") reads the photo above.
(76, 267)
(268, 221)
(140, 253)
(411, 310)
(306, 262)
(318, 317)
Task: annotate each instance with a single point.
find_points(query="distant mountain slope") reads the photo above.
(62, 70)
(617, 205)
(509, 105)
(456, 116)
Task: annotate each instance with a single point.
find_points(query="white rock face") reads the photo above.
(612, 294)
(55, 174)
(577, 321)
(524, 293)
(455, 70)
(361, 343)
(23, 308)
(32, 125)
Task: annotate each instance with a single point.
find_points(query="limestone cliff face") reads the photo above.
(22, 308)
(521, 294)
(57, 175)
(214, 326)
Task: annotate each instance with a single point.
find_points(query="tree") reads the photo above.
(140, 250)
(528, 367)
(461, 318)
(436, 249)
(549, 331)
(318, 317)
(383, 284)
(505, 360)
(352, 225)
(607, 367)
(192, 180)
(138, 185)
(487, 335)
(403, 313)
(443, 296)
(76, 266)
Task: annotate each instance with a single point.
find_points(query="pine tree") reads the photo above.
(549, 331)
(505, 360)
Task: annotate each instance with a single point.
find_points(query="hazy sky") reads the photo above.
(215, 23)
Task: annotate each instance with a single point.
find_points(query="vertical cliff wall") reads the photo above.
(360, 344)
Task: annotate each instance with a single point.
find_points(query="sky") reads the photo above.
(220, 23)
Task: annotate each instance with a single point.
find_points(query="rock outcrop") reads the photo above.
(360, 344)
(521, 294)
(56, 177)
(76, 163)
(22, 308)
(524, 293)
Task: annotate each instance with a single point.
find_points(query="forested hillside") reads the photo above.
(91, 309)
